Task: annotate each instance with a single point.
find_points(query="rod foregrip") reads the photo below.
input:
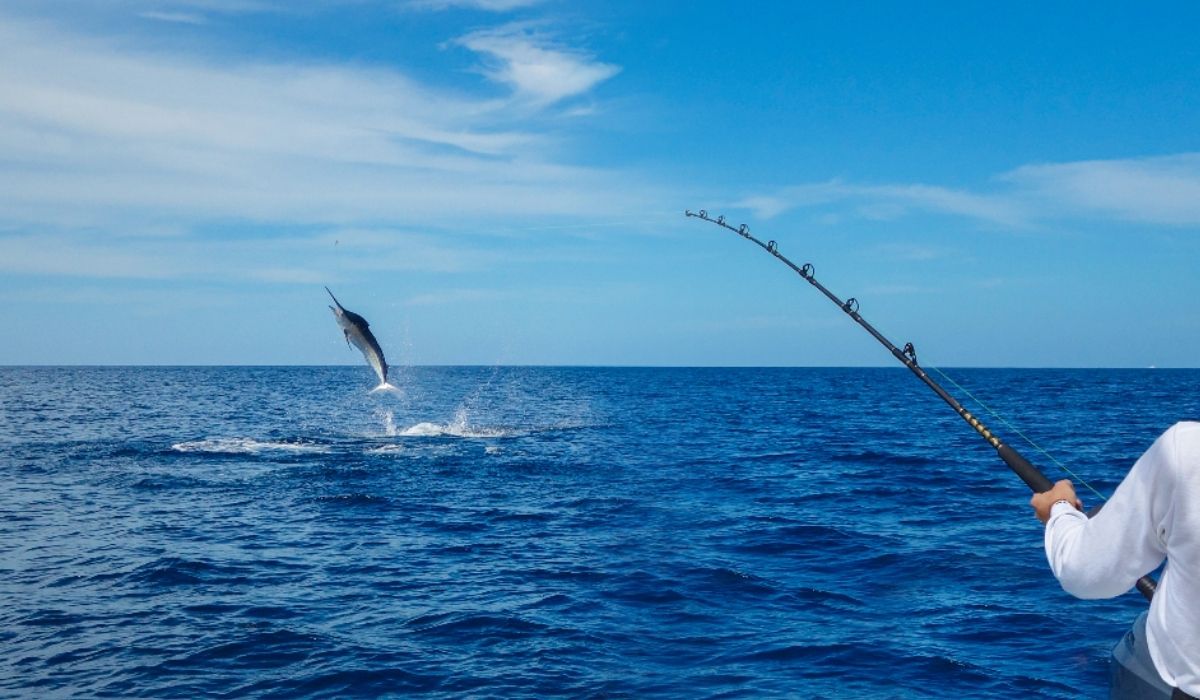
(1031, 475)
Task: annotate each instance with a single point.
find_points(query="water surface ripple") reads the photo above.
(535, 532)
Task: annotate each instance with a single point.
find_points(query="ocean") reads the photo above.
(512, 532)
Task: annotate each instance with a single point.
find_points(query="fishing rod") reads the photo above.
(1031, 475)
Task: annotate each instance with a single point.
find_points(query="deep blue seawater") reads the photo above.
(538, 532)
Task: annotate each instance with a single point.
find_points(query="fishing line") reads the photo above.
(1017, 430)
(1023, 468)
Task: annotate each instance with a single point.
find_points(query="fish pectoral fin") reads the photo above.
(347, 334)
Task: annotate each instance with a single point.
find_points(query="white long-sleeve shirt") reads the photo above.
(1154, 514)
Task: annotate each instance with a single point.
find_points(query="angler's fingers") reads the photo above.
(1063, 490)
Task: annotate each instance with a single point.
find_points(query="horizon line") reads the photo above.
(586, 366)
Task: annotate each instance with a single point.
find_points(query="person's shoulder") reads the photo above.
(1182, 442)
(1184, 430)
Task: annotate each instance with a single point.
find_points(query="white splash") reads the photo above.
(460, 427)
(389, 423)
(452, 430)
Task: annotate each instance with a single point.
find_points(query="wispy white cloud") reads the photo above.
(359, 249)
(289, 258)
(183, 11)
(82, 256)
(174, 17)
(97, 134)
(910, 252)
(888, 201)
(489, 5)
(449, 297)
(568, 295)
(286, 259)
(226, 6)
(1162, 190)
(533, 66)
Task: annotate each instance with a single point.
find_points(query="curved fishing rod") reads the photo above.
(1030, 474)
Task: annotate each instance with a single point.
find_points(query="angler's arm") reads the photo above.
(1103, 557)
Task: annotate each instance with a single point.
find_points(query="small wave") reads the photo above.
(731, 581)
(794, 539)
(825, 654)
(172, 571)
(240, 446)
(554, 600)
(487, 625)
(270, 648)
(269, 612)
(51, 617)
(645, 588)
(161, 482)
(361, 682)
(888, 459)
(355, 499)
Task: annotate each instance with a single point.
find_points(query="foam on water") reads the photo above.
(453, 430)
(386, 450)
(246, 445)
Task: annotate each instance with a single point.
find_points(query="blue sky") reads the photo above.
(503, 181)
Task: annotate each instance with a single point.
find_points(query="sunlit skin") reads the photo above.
(1043, 502)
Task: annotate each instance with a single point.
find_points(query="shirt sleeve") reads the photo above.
(1105, 556)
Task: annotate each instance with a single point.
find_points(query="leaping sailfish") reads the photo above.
(358, 332)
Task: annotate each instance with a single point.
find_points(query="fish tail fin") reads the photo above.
(384, 386)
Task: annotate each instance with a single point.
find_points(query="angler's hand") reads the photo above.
(1043, 502)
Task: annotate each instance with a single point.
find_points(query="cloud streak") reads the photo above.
(488, 5)
(1162, 190)
(537, 71)
(96, 134)
(887, 201)
(310, 258)
(174, 17)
